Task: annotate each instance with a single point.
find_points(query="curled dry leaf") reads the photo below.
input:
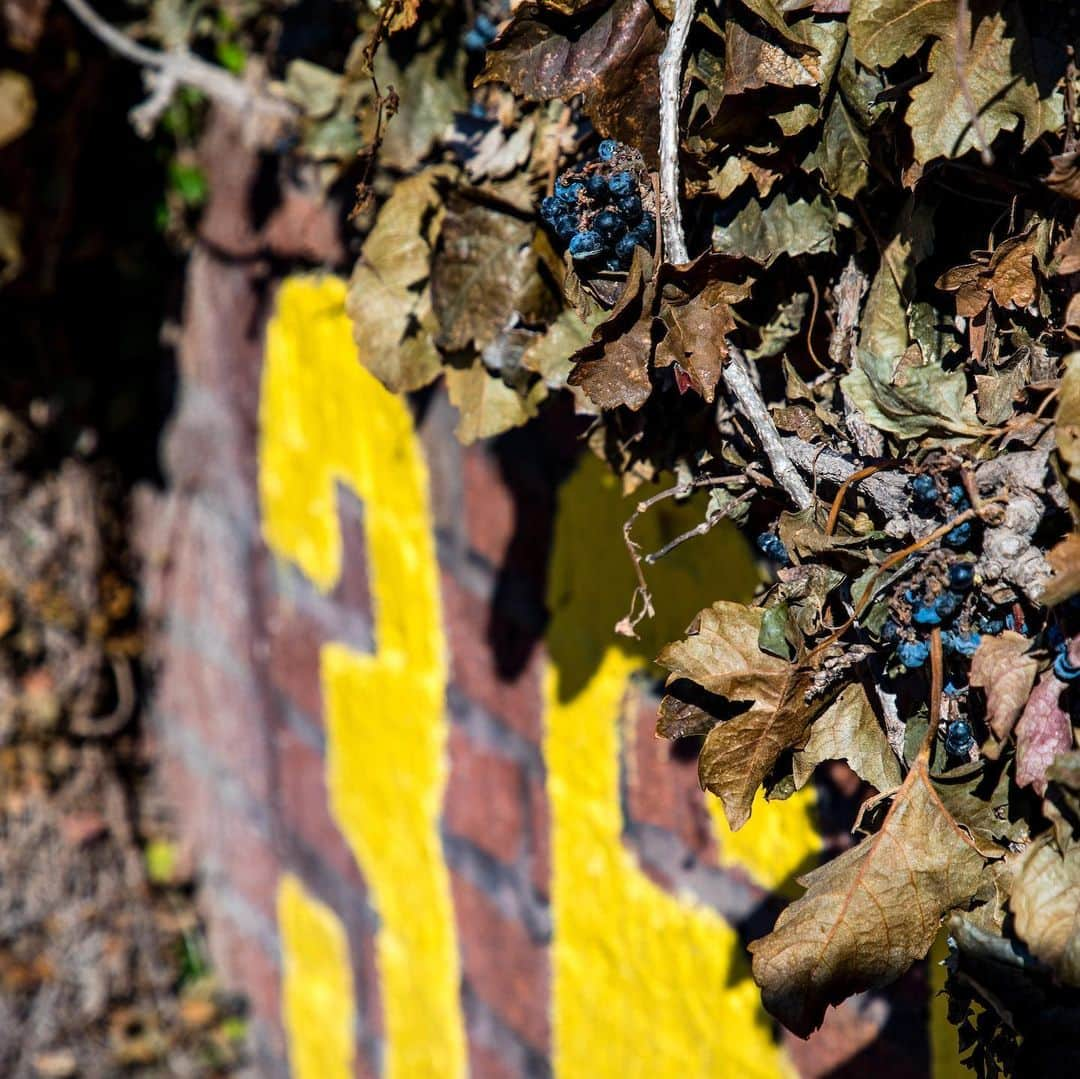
(870, 913)
(1045, 903)
(1042, 732)
(1006, 671)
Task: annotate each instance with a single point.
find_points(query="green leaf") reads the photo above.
(782, 225)
(883, 31)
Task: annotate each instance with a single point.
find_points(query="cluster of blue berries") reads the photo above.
(772, 546)
(597, 211)
(931, 607)
(928, 500)
(480, 35)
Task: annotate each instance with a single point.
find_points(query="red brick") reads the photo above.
(222, 707)
(245, 967)
(221, 837)
(663, 789)
(485, 1063)
(489, 507)
(484, 797)
(304, 806)
(540, 828)
(209, 579)
(474, 669)
(295, 640)
(504, 966)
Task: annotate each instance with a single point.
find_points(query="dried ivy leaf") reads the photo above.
(551, 354)
(388, 300)
(1064, 178)
(911, 398)
(609, 56)
(783, 224)
(487, 405)
(17, 105)
(721, 654)
(752, 62)
(1042, 732)
(1003, 668)
(696, 339)
(1045, 903)
(883, 31)
(485, 276)
(870, 913)
(849, 731)
(613, 369)
(1000, 84)
(843, 154)
(1064, 560)
(1067, 419)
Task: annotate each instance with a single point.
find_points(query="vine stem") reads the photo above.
(671, 64)
(165, 71)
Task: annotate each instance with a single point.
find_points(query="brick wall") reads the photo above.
(237, 713)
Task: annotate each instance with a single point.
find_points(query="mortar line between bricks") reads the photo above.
(491, 732)
(481, 1019)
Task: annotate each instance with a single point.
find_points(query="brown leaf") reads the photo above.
(609, 56)
(753, 63)
(1064, 560)
(485, 274)
(1067, 253)
(849, 731)
(487, 405)
(1064, 178)
(696, 339)
(17, 105)
(721, 654)
(1005, 670)
(1042, 732)
(1013, 278)
(613, 369)
(1067, 418)
(870, 913)
(1045, 903)
(969, 283)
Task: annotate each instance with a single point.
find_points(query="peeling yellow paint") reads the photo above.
(319, 1010)
(325, 420)
(645, 983)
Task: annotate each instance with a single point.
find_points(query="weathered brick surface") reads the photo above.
(238, 725)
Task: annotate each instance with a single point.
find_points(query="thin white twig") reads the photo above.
(671, 63)
(751, 404)
(178, 67)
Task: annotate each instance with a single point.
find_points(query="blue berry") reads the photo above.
(644, 232)
(888, 631)
(926, 615)
(625, 248)
(772, 546)
(959, 738)
(958, 497)
(606, 150)
(550, 208)
(597, 187)
(622, 183)
(961, 576)
(960, 535)
(962, 644)
(913, 654)
(586, 245)
(1055, 638)
(630, 208)
(565, 225)
(1010, 621)
(947, 604)
(991, 626)
(569, 193)
(1064, 669)
(608, 223)
(923, 489)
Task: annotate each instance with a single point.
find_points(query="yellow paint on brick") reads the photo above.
(945, 1060)
(320, 1013)
(324, 420)
(778, 843)
(645, 983)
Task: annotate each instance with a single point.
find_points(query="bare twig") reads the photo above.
(706, 526)
(671, 61)
(168, 70)
(963, 31)
(887, 491)
(751, 404)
